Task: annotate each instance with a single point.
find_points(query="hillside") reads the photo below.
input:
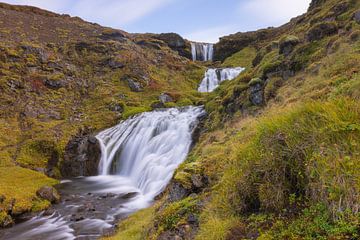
(277, 156)
(62, 77)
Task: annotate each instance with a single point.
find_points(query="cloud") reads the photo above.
(107, 12)
(210, 35)
(273, 12)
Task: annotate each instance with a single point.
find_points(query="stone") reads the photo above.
(113, 35)
(357, 16)
(321, 30)
(288, 44)
(157, 105)
(6, 222)
(54, 85)
(165, 98)
(257, 94)
(15, 84)
(48, 193)
(134, 86)
(82, 155)
(177, 192)
(114, 64)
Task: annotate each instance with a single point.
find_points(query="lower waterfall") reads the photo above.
(202, 51)
(148, 148)
(139, 157)
(214, 76)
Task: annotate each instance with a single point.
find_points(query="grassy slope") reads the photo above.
(36, 121)
(291, 172)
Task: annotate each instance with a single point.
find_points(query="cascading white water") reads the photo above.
(214, 76)
(139, 157)
(148, 148)
(202, 51)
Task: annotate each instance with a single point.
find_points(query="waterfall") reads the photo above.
(148, 147)
(214, 76)
(202, 51)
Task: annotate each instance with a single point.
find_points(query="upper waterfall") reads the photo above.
(202, 51)
(214, 76)
(148, 147)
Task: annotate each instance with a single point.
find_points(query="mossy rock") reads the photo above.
(321, 30)
(255, 81)
(287, 44)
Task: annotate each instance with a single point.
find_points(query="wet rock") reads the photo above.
(357, 16)
(48, 193)
(257, 93)
(288, 44)
(321, 30)
(129, 195)
(82, 155)
(165, 98)
(6, 222)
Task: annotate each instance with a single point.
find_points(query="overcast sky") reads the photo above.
(197, 20)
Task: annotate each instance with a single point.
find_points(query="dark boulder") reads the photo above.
(321, 30)
(48, 193)
(357, 16)
(113, 35)
(288, 44)
(53, 84)
(256, 92)
(82, 155)
(177, 192)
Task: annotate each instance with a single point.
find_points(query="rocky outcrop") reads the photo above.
(357, 16)
(231, 44)
(133, 85)
(316, 3)
(177, 43)
(288, 44)
(48, 193)
(321, 30)
(82, 155)
(165, 98)
(256, 92)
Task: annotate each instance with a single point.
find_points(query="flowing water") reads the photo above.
(214, 76)
(139, 157)
(202, 51)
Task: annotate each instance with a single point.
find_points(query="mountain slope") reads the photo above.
(279, 154)
(62, 77)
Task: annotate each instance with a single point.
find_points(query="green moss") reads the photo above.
(242, 58)
(131, 111)
(255, 81)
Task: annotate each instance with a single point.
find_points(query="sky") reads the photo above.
(196, 20)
